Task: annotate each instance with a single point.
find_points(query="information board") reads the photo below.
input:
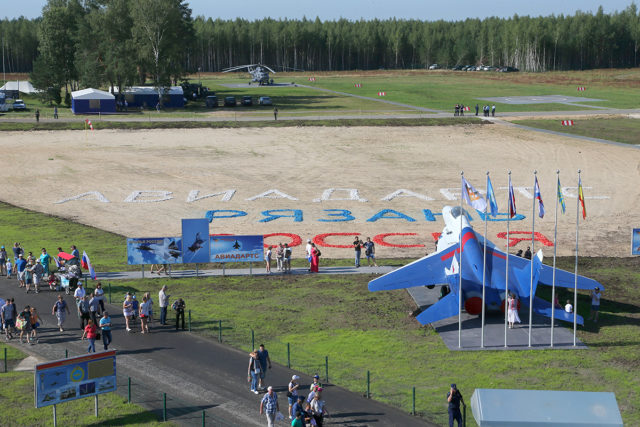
(75, 378)
(635, 242)
(237, 248)
(195, 235)
(154, 250)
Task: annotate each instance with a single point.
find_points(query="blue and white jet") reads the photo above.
(443, 268)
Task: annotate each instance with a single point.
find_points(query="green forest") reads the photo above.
(119, 42)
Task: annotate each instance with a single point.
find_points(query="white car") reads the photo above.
(434, 67)
(265, 100)
(19, 104)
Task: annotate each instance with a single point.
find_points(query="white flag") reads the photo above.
(472, 197)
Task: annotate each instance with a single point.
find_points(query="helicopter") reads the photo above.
(259, 73)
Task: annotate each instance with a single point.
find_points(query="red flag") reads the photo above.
(88, 123)
(581, 198)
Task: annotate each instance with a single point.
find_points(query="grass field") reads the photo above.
(338, 317)
(438, 90)
(626, 130)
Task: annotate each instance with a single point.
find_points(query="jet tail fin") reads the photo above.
(446, 307)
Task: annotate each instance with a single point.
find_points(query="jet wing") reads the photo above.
(543, 307)
(566, 279)
(429, 270)
(446, 307)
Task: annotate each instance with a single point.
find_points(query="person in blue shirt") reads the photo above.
(105, 325)
(45, 260)
(265, 362)
(299, 408)
(75, 252)
(21, 268)
(454, 397)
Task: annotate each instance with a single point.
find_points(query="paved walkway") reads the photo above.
(196, 373)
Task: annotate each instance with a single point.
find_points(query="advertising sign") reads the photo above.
(195, 235)
(154, 250)
(237, 248)
(75, 378)
(635, 242)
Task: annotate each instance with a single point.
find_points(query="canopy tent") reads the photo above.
(12, 89)
(92, 101)
(147, 96)
(543, 408)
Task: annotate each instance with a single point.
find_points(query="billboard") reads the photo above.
(635, 242)
(154, 250)
(237, 248)
(75, 378)
(195, 235)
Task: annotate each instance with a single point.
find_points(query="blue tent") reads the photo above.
(92, 101)
(147, 97)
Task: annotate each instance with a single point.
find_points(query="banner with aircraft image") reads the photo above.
(229, 248)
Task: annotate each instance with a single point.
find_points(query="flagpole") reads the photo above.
(533, 227)
(575, 283)
(506, 276)
(460, 267)
(555, 246)
(484, 263)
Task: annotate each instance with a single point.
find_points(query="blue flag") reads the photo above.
(512, 200)
(536, 194)
(560, 198)
(491, 198)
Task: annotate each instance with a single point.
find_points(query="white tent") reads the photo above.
(23, 86)
(91, 93)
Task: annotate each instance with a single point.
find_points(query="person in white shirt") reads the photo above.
(595, 304)
(163, 300)
(80, 292)
(308, 250)
(568, 308)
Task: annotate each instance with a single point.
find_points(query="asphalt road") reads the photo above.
(196, 373)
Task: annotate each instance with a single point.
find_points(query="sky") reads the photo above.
(427, 10)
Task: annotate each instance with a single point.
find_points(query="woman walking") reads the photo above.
(59, 309)
(315, 258)
(98, 292)
(35, 323)
(24, 323)
(147, 295)
(144, 315)
(90, 332)
(513, 310)
(127, 311)
(267, 259)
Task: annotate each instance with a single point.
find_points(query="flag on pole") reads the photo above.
(581, 198)
(312, 79)
(88, 123)
(472, 197)
(566, 122)
(358, 84)
(581, 88)
(86, 264)
(560, 198)
(382, 93)
(512, 200)
(491, 197)
(536, 194)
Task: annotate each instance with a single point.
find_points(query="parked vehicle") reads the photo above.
(211, 101)
(265, 100)
(230, 101)
(19, 105)
(434, 67)
(247, 101)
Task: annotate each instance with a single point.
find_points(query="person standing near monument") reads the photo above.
(454, 397)
(163, 299)
(595, 304)
(357, 246)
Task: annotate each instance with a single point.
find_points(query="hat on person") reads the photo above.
(300, 397)
(295, 377)
(20, 255)
(453, 386)
(269, 388)
(316, 376)
(308, 240)
(1, 247)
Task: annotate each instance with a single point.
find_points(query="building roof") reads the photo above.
(150, 90)
(23, 86)
(91, 93)
(541, 408)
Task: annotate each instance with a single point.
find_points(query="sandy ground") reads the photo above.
(49, 169)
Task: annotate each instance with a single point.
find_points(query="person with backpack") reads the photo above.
(179, 306)
(24, 323)
(84, 312)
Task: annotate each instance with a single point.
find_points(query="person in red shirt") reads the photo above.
(90, 332)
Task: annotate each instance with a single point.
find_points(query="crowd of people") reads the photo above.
(487, 111)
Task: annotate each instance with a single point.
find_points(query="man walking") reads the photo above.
(454, 397)
(269, 406)
(370, 252)
(8, 316)
(163, 298)
(83, 311)
(21, 267)
(357, 246)
(179, 308)
(105, 325)
(265, 362)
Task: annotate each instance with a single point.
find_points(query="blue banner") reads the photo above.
(237, 248)
(154, 250)
(195, 236)
(635, 242)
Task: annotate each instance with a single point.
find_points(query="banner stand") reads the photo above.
(196, 269)
(142, 270)
(223, 269)
(55, 418)
(250, 269)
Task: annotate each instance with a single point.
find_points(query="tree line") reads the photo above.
(80, 43)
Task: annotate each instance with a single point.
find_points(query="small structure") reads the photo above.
(541, 408)
(147, 97)
(12, 89)
(92, 101)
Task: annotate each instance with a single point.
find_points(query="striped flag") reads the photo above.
(467, 109)
(560, 198)
(567, 122)
(382, 93)
(512, 200)
(86, 264)
(357, 84)
(581, 198)
(88, 123)
(581, 88)
(312, 79)
(537, 195)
